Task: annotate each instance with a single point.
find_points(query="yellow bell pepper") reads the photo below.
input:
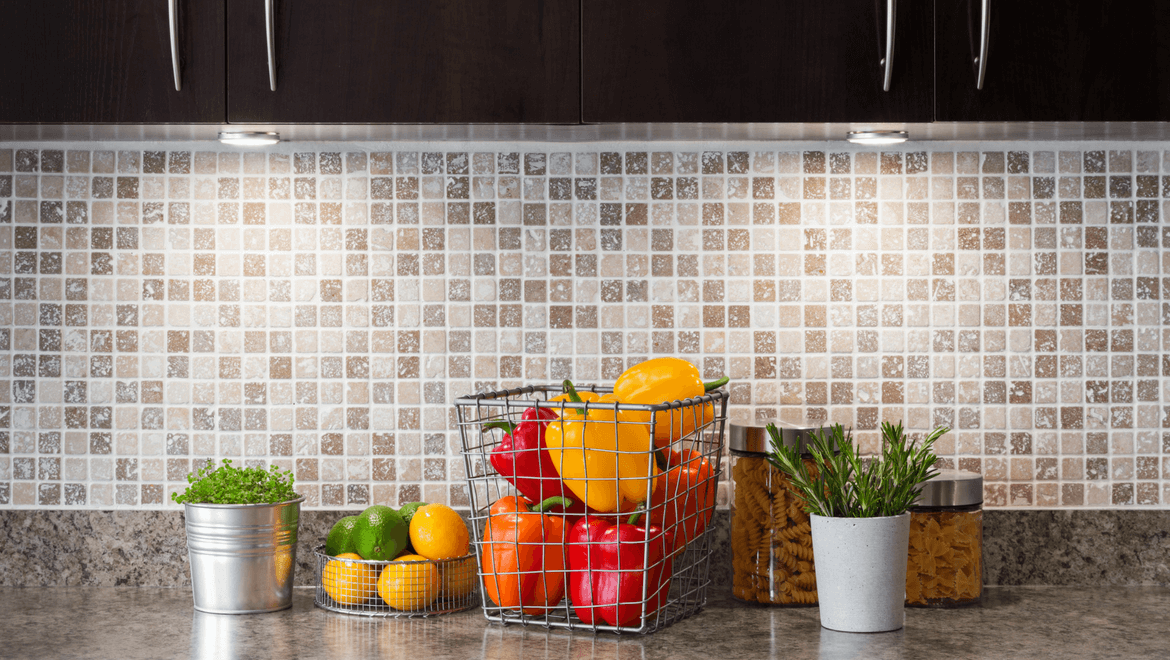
(663, 380)
(586, 443)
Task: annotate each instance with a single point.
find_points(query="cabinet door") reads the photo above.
(775, 61)
(109, 61)
(406, 61)
(1055, 60)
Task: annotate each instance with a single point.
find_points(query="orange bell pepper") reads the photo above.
(663, 380)
(684, 496)
(518, 573)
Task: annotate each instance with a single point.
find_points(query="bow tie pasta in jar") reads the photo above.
(945, 563)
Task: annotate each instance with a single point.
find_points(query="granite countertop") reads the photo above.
(1012, 622)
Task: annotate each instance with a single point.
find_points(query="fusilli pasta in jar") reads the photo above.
(771, 540)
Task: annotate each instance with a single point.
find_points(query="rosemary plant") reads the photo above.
(850, 486)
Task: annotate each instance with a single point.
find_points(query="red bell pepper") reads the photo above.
(611, 565)
(522, 458)
(684, 496)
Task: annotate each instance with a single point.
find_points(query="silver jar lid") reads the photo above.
(952, 488)
(754, 437)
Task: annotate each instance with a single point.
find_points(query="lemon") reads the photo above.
(458, 577)
(437, 532)
(409, 586)
(349, 582)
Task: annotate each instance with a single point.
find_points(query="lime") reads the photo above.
(379, 533)
(340, 538)
(407, 510)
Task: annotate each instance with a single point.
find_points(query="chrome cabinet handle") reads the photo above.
(173, 19)
(984, 35)
(887, 62)
(269, 29)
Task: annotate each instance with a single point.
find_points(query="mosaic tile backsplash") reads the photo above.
(319, 307)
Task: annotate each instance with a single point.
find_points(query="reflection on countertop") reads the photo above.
(1012, 622)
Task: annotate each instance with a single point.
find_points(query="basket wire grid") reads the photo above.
(409, 589)
(704, 435)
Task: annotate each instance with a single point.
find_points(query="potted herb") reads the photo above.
(859, 511)
(241, 538)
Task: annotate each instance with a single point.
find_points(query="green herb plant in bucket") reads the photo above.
(241, 537)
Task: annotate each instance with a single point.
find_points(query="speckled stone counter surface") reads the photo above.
(148, 548)
(1013, 622)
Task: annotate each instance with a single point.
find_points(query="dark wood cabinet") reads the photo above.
(406, 61)
(582, 61)
(1054, 60)
(109, 61)
(777, 61)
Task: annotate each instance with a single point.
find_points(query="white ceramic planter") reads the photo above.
(861, 572)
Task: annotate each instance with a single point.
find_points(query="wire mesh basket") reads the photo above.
(395, 588)
(598, 569)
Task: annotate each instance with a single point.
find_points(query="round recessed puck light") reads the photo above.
(877, 137)
(248, 139)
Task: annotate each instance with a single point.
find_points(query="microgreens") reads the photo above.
(848, 486)
(229, 485)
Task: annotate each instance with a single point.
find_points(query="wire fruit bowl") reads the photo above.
(403, 589)
(696, 431)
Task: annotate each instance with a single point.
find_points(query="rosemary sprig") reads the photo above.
(848, 486)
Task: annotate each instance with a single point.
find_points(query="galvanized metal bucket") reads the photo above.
(242, 555)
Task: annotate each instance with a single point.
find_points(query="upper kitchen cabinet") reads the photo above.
(776, 61)
(1053, 60)
(404, 61)
(111, 61)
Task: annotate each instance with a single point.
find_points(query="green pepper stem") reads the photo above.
(716, 384)
(507, 427)
(567, 386)
(633, 520)
(661, 460)
(551, 502)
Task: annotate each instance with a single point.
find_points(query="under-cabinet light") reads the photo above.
(877, 137)
(242, 139)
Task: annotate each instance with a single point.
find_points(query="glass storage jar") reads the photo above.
(945, 563)
(771, 542)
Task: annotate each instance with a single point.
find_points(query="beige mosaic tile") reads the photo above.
(320, 309)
